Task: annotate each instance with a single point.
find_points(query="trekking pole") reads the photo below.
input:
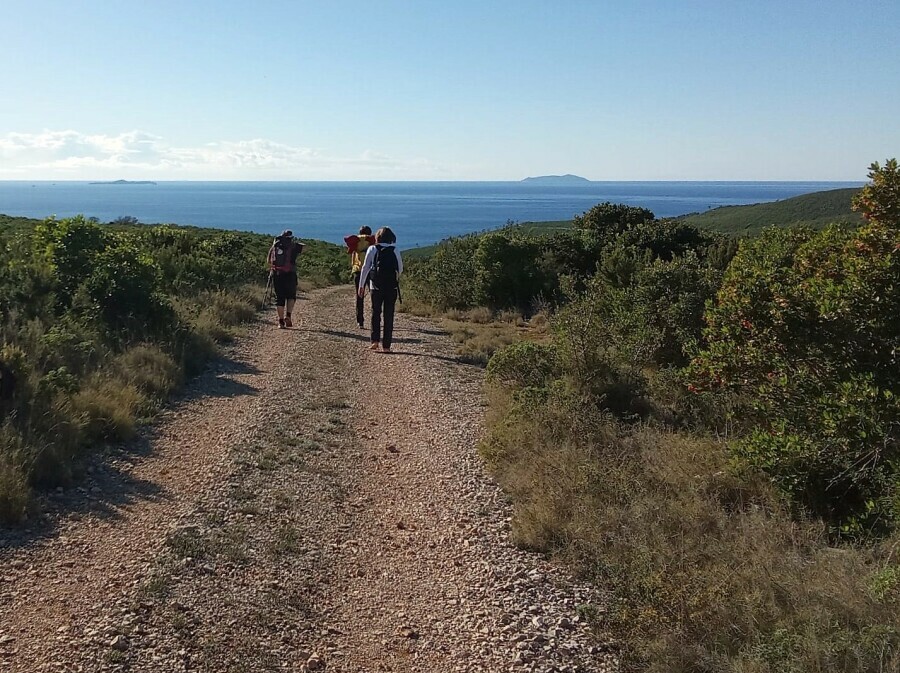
(268, 295)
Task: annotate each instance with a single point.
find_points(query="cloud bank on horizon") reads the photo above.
(140, 155)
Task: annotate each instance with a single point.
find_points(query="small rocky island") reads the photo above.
(125, 182)
(567, 179)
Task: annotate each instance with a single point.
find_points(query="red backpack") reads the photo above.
(280, 257)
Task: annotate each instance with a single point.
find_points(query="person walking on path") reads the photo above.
(283, 267)
(382, 267)
(357, 246)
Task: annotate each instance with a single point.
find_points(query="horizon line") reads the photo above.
(588, 181)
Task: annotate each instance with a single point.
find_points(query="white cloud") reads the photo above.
(136, 154)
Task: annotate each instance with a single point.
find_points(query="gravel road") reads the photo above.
(304, 505)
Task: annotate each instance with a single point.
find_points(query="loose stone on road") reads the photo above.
(308, 505)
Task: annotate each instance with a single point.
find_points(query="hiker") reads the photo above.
(357, 246)
(283, 267)
(382, 268)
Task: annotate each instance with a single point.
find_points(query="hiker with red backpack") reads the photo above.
(357, 246)
(382, 268)
(283, 272)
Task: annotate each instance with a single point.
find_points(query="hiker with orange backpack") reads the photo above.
(283, 272)
(381, 271)
(357, 246)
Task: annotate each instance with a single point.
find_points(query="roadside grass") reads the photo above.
(72, 412)
(14, 490)
(480, 332)
(708, 570)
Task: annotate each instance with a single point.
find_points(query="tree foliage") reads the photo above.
(608, 220)
(879, 201)
(805, 330)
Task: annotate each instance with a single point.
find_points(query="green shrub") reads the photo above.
(123, 289)
(506, 271)
(69, 248)
(447, 278)
(673, 296)
(804, 330)
(607, 220)
(523, 364)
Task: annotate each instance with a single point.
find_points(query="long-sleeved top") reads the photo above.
(370, 260)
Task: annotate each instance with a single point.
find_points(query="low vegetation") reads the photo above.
(709, 430)
(101, 322)
(815, 211)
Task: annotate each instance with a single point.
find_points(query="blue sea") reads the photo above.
(421, 213)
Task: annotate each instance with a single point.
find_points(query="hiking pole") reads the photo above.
(268, 295)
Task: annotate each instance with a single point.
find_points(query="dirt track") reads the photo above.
(305, 505)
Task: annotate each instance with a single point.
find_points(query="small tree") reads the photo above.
(69, 249)
(608, 220)
(879, 201)
(805, 330)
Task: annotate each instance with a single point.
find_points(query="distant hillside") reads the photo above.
(815, 210)
(567, 179)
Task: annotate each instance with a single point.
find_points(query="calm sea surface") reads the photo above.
(420, 213)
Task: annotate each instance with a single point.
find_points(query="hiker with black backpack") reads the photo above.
(382, 268)
(283, 272)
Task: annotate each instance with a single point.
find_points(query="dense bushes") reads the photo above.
(100, 323)
(708, 571)
(805, 331)
(768, 434)
(514, 269)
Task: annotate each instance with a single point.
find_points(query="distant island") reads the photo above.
(125, 182)
(567, 179)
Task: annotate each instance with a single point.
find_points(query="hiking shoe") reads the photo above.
(281, 323)
(386, 350)
(374, 346)
(287, 321)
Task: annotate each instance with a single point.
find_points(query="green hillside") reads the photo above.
(426, 251)
(815, 210)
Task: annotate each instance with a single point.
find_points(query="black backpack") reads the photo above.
(385, 269)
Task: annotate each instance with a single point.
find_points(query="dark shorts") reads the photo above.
(285, 286)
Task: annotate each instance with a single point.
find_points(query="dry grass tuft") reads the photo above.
(480, 315)
(149, 369)
(108, 407)
(709, 571)
(14, 493)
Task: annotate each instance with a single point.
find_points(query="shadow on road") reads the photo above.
(363, 336)
(443, 358)
(102, 483)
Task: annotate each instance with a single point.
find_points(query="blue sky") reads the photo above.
(481, 90)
